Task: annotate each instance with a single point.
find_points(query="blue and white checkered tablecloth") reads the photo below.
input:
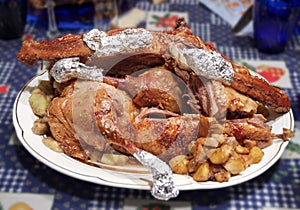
(20, 172)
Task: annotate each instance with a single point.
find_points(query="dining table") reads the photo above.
(22, 174)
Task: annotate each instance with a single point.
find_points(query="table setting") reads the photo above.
(34, 176)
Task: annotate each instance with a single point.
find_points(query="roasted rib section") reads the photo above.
(260, 90)
(70, 45)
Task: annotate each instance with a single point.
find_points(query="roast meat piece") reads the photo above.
(155, 87)
(252, 128)
(97, 114)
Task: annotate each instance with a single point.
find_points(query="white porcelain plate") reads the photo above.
(23, 119)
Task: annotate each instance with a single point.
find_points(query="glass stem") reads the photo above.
(52, 27)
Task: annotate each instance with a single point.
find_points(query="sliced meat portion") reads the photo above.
(128, 64)
(157, 131)
(155, 87)
(253, 128)
(239, 105)
(60, 121)
(72, 118)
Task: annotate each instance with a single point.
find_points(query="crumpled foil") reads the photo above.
(126, 41)
(163, 186)
(209, 64)
(71, 68)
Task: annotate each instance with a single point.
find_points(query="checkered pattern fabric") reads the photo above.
(12, 180)
(278, 187)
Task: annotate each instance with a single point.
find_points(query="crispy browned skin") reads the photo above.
(119, 122)
(243, 81)
(60, 120)
(253, 128)
(112, 117)
(157, 87)
(70, 45)
(260, 90)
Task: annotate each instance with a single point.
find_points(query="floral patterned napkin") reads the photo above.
(25, 201)
(157, 21)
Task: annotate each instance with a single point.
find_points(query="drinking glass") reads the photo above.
(12, 18)
(274, 23)
(105, 11)
(52, 31)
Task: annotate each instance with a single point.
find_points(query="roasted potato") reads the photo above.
(202, 173)
(38, 102)
(209, 141)
(221, 154)
(249, 143)
(179, 164)
(52, 144)
(46, 87)
(241, 150)
(199, 156)
(205, 125)
(40, 126)
(114, 159)
(222, 176)
(256, 153)
(234, 166)
(41, 97)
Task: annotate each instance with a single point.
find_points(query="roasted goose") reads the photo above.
(166, 93)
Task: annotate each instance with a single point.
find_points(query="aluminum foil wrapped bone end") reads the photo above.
(163, 185)
(71, 68)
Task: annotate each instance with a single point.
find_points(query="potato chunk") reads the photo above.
(179, 164)
(114, 159)
(256, 153)
(40, 126)
(40, 98)
(38, 102)
(222, 176)
(202, 173)
(241, 150)
(221, 154)
(52, 144)
(234, 166)
(46, 87)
